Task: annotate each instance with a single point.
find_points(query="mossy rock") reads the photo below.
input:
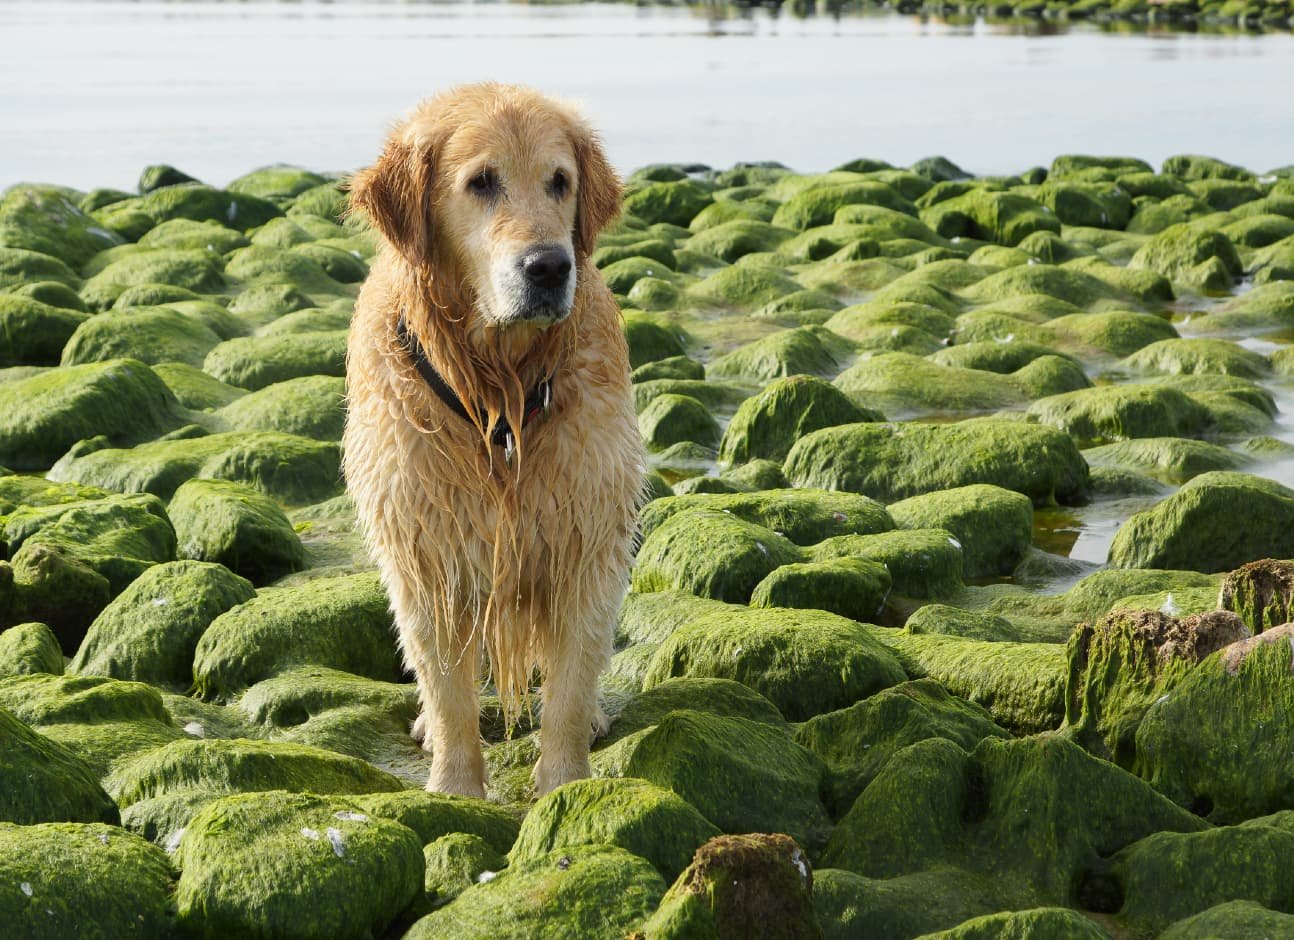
(741, 775)
(1192, 255)
(893, 462)
(454, 863)
(46, 414)
(804, 662)
(1035, 813)
(806, 350)
(1040, 923)
(294, 865)
(576, 891)
(146, 334)
(34, 333)
(723, 697)
(669, 419)
(900, 383)
(54, 585)
(433, 815)
(996, 356)
(292, 469)
(1000, 217)
(804, 516)
(921, 562)
(994, 526)
(28, 649)
(1196, 356)
(254, 362)
(851, 587)
(54, 293)
(1110, 413)
(728, 241)
(744, 285)
(1066, 284)
(19, 266)
(42, 781)
(126, 267)
(676, 202)
(671, 367)
(1260, 593)
(1187, 743)
(1196, 528)
(194, 389)
(954, 621)
(46, 219)
(1233, 918)
(261, 264)
(1195, 167)
(652, 823)
(280, 182)
(856, 742)
(260, 304)
(187, 235)
(740, 886)
(906, 906)
(1170, 459)
(87, 880)
(235, 526)
(150, 631)
(342, 623)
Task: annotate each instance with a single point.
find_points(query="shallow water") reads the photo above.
(90, 92)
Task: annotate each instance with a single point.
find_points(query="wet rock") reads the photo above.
(1004, 218)
(1039, 922)
(46, 414)
(83, 880)
(650, 339)
(1196, 528)
(740, 886)
(723, 697)
(577, 891)
(893, 462)
(29, 649)
(1116, 332)
(1101, 205)
(675, 202)
(342, 623)
(454, 863)
(1060, 283)
(1187, 743)
(742, 285)
(804, 516)
(62, 590)
(46, 219)
(19, 266)
(34, 333)
(1195, 167)
(921, 563)
(293, 865)
(669, 419)
(1128, 660)
(906, 906)
(856, 742)
(953, 621)
(671, 367)
(994, 526)
(235, 526)
(728, 241)
(804, 662)
(807, 350)
(127, 267)
(818, 203)
(900, 383)
(148, 334)
(1260, 592)
(42, 781)
(255, 362)
(1193, 356)
(186, 235)
(1192, 255)
(311, 406)
(1169, 459)
(434, 815)
(149, 631)
(852, 587)
(158, 175)
(634, 815)
(1118, 412)
(1234, 918)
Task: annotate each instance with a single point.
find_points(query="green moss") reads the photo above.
(675, 202)
(804, 516)
(1118, 412)
(1042, 923)
(669, 419)
(728, 241)
(342, 623)
(1061, 283)
(723, 697)
(187, 235)
(1195, 167)
(907, 906)
(42, 781)
(805, 350)
(434, 815)
(1234, 918)
(1004, 218)
(744, 285)
(954, 621)
(292, 469)
(236, 526)
(293, 865)
(671, 367)
(454, 863)
(1193, 356)
(148, 334)
(57, 587)
(1101, 205)
(29, 648)
(193, 388)
(259, 304)
(126, 267)
(149, 632)
(279, 182)
(818, 203)
(46, 414)
(255, 362)
(1260, 592)
(741, 775)
(46, 219)
(994, 526)
(577, 891)
(804, 662)
(1170, 459)
(1187, 743)
(18, 266)
(900, 383)
(34, 333)
(1000, 357)
(1196, 528)
(921, 562)
(856, 742)
(86, 880)
(1192, 255)
(851, 587)
(260, 264)
(893, 462)
(54, 293)
(740, 886)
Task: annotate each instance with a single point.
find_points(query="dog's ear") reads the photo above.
(395, 193)
(598, 190)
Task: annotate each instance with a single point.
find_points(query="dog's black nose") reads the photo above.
(547, 268)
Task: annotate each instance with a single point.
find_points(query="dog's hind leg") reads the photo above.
(575, 654)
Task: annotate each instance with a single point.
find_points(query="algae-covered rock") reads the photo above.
(342, 623)
(856, 742)
(1004, 218)
(236, 526)
(669, 419)
(292, 469)
(253, 362)
(907, 906)
(675, 202)
(1119, 412)
(83, 880)
(637, 816)
(1260, 592)
(579, 891)
(714, 696)
(806, 350)
(851, 587)
(148, 334)
(454, 863)
(44, 415)
(898, 383)
(804, 516)
(1191, 254)
(1170, 459)
(747, 284)
(46, 219)
(150, 631)
(1021, 684)
(804, 662)
(1232, 919)
(311, 406)
(1036, 813)
(34, 333)
(921, 562)
(433, 815)
(293, 865)
(1169, 876)
(955, 621)
(1040, 923)
(1196, 528)
(42, 781)
(1217, 743)
(741, 775)
(740, 886)
(893, 462)
(29, 648)
(1195, 356)
(1128, 660)
(993, 525)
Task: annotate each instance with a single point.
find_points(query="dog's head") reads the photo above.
(498, 188)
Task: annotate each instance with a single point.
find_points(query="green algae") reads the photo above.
(236, 526)
(42, 781)
(29, 648)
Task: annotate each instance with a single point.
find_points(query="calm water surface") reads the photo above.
(92, 91)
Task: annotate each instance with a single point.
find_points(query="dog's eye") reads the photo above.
(484, 184)
(559, 185)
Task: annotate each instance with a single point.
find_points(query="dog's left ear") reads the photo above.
(598, 190)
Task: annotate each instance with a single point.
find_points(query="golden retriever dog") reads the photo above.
(491, 445)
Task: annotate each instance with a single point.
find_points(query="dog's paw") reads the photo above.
(458, 782)
(418, 730)
(601, 724)
(551, 774)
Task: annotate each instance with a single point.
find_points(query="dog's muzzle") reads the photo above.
(547, 275)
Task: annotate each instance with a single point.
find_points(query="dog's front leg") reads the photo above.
(451, 723)
(580, 651)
